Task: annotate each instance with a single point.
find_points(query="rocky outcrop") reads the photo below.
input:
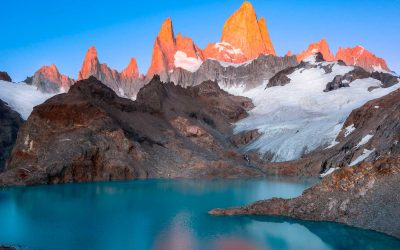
(126, 83)
(10, 121)
(388, 80)
(318, 47)
(364, 196)
(281, 78)
(341, 81)
(5, 77)
(91, 134)
(49, 80)
(247, 75)
(361, 57)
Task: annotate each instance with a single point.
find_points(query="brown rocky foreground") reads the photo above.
(366, 196)
(91, 134)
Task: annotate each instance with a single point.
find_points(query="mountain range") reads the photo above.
(234, 109)
(244, 38)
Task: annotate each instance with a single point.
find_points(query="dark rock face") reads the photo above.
(91, 134)
(341, 81)
(362, 194)
(5, 77)
(388, 80)
(250, 74)
(365, 196)
(10, 121)
(28, 80)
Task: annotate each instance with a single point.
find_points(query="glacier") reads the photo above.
(300, 117)
(22, 97)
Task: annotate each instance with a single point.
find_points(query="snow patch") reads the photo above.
(236, 65)
(349, 130)
(376, 107)
(188, 63)
(362, 157)
(328, 172)
(22, 97)
(364, 140)
(228, 48)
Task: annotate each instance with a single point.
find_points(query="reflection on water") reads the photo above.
(166, 215)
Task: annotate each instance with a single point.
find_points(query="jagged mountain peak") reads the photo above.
(360, 56)
(48, 79)
(244, 31)
(131, 71)
(321, 47)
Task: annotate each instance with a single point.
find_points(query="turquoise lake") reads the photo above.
(166, 215)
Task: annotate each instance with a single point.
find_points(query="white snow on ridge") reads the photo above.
(349, 130)
(22, 97)
(236, 65)
(362, 157)
(328, 172)
(228, 48)
(364, 140)
(300, 117)
(181, 60)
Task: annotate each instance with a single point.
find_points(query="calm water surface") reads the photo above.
(166, 215)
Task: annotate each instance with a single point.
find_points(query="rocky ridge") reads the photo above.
(126, 83)
(247, 75)
(49, 80)
(91, 134)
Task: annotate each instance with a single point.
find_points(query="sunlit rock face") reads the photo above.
(126, 83)
(244, 37)
(321, 47)
(359, 56)
(170, 52)
(49, 80)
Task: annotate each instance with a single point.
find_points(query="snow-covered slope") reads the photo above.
(300, 117)
(22, 97)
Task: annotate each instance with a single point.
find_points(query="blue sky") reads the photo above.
(37, 33)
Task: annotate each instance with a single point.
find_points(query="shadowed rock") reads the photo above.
(91, 134)
(10, 121)
(5, 77)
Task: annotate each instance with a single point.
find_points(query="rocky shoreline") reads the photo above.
(365, 196)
